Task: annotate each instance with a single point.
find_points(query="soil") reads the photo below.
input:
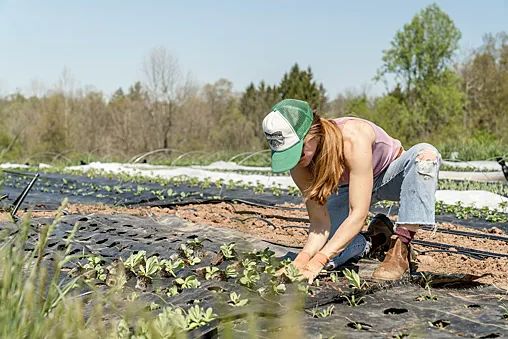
(269, 225)
(95, 209)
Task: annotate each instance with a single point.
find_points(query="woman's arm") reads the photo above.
(358, 154)
(318, 214)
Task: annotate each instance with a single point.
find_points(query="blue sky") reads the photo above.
(103, 43)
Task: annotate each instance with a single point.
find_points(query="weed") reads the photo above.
(428, 287)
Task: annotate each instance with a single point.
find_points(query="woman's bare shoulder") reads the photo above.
(356, 129)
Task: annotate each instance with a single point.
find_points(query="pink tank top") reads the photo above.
(384, 149)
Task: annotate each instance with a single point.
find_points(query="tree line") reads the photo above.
(456, 105)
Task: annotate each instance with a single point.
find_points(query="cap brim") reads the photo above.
(285, 160)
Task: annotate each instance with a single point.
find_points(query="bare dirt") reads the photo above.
(289, 228)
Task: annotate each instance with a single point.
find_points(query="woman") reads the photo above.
(342, 166)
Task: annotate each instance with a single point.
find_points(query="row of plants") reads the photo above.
(32, 299)
(156, 188)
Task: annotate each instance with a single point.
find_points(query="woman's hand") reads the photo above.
(314, 266)
(300, 261)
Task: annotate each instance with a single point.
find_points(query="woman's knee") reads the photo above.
(426, 160)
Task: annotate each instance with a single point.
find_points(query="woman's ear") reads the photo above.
(308, 151)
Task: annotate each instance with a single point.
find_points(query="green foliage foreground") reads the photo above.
(42, 299)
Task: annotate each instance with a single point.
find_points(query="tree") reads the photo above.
(299, 84)
(166, 88)
(422, 51)
(255, 103)
(420, 57)
(485, 82)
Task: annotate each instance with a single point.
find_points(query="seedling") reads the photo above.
(292, 273)
(248, 263)
(439, 324)
(197, 316)
(427, 285)
(269, 269)
(334, 277)
(150, 268)
(172, 291)
(195, 244)
(278, 288)
(172, 266)
(230, 271)
(236, 301)
(354, 279)
(355, 282)
(95, 269)
(189, 282)
(353, 301)
(134, 260)
(321, 313)
(211, 272)
(265, 255)
(249, 278)
(188, 253)
(228, 250)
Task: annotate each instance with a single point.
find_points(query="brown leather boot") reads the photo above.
(396, 262)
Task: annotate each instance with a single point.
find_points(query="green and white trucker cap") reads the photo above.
(285, 128)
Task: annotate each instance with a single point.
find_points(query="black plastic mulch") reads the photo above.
(389, 309)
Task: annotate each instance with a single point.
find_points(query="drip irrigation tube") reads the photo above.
(466, 234)
(460, 250)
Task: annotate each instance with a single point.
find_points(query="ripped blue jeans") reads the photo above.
(409, 180)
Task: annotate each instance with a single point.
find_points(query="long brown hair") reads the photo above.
(328, 163)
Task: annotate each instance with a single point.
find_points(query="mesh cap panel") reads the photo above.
(298, 113)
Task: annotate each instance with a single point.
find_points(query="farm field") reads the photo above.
(199, 256)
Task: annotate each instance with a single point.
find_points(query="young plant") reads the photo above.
(236, 301)
(228, 250)
(277, 288)
(172, 291)
(292, 273)
(230, 271)
(197, 316)
(353, 301)
(189, 282)
(211, 272)
(150, 268)
(269, 269)
(94, 270)
(134, 260)
(171, 267)
(355, 282)
(187, 253)
(265, 255)
(249, 264)
(321, 313)
(249, 278)
(427, 285)
(354, 279)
